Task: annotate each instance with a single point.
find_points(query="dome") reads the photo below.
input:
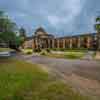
(40, 31)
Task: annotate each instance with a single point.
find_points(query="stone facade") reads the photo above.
(42, 40)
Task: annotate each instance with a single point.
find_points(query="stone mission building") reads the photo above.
(42, 39)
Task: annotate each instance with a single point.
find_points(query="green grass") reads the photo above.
(70, 49)
(67, 55)
(27, 51)
(5, 49)
(24, 81)
(74, 55)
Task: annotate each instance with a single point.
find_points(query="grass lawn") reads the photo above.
(67, 55)
(5, 49)
(74, 55)
(70, 50)
(27, 51)
(24, 81)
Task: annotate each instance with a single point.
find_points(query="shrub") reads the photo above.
(43, 52)
(53, 49)
(27, 51)
(37, 50)
(48, 50)
(62, 49)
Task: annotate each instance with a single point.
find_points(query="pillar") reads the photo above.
(53, 43)
(88, 44)
(33, 44)
(64, 43)
(48, 43)
(70, 45)
(67, 43)
(79, 42)
(36, 43)
(58, 43)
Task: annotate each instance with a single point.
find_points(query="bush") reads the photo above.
(55, 49)
(27, 51)
(37, 50)
(43, 52)
(62, 49)
(48, 50)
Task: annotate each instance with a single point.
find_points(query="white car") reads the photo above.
(5, 54)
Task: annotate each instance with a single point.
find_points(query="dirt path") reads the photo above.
(82, 75)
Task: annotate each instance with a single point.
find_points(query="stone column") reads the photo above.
(53, 43)
(67, 43)
(48, 43)
(36, 43)
(58, 43)
(79, 42)
(33, 44)
(88, 44)
(64, 43)
(70, 45)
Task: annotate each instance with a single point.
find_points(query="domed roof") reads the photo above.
(40, 31)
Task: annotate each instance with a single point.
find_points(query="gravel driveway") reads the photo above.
(82, 75)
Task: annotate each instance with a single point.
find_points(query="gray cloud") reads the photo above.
(60, 17)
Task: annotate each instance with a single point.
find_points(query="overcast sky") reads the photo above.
(59, 17)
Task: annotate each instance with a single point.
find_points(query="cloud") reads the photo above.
(54, 20)
(57, 16)
(68, 11)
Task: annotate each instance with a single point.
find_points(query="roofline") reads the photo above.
(86, 34)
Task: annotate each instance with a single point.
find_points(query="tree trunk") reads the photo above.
(98, 47)
(98, 40)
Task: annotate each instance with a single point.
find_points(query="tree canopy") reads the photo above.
(22, 32)
(7, 31)
(97, 25)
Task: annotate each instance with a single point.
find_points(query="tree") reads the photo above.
(7, 31)
(6, 25)
(22, 32)
(97, 27)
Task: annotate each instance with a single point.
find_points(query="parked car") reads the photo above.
(7, 52)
